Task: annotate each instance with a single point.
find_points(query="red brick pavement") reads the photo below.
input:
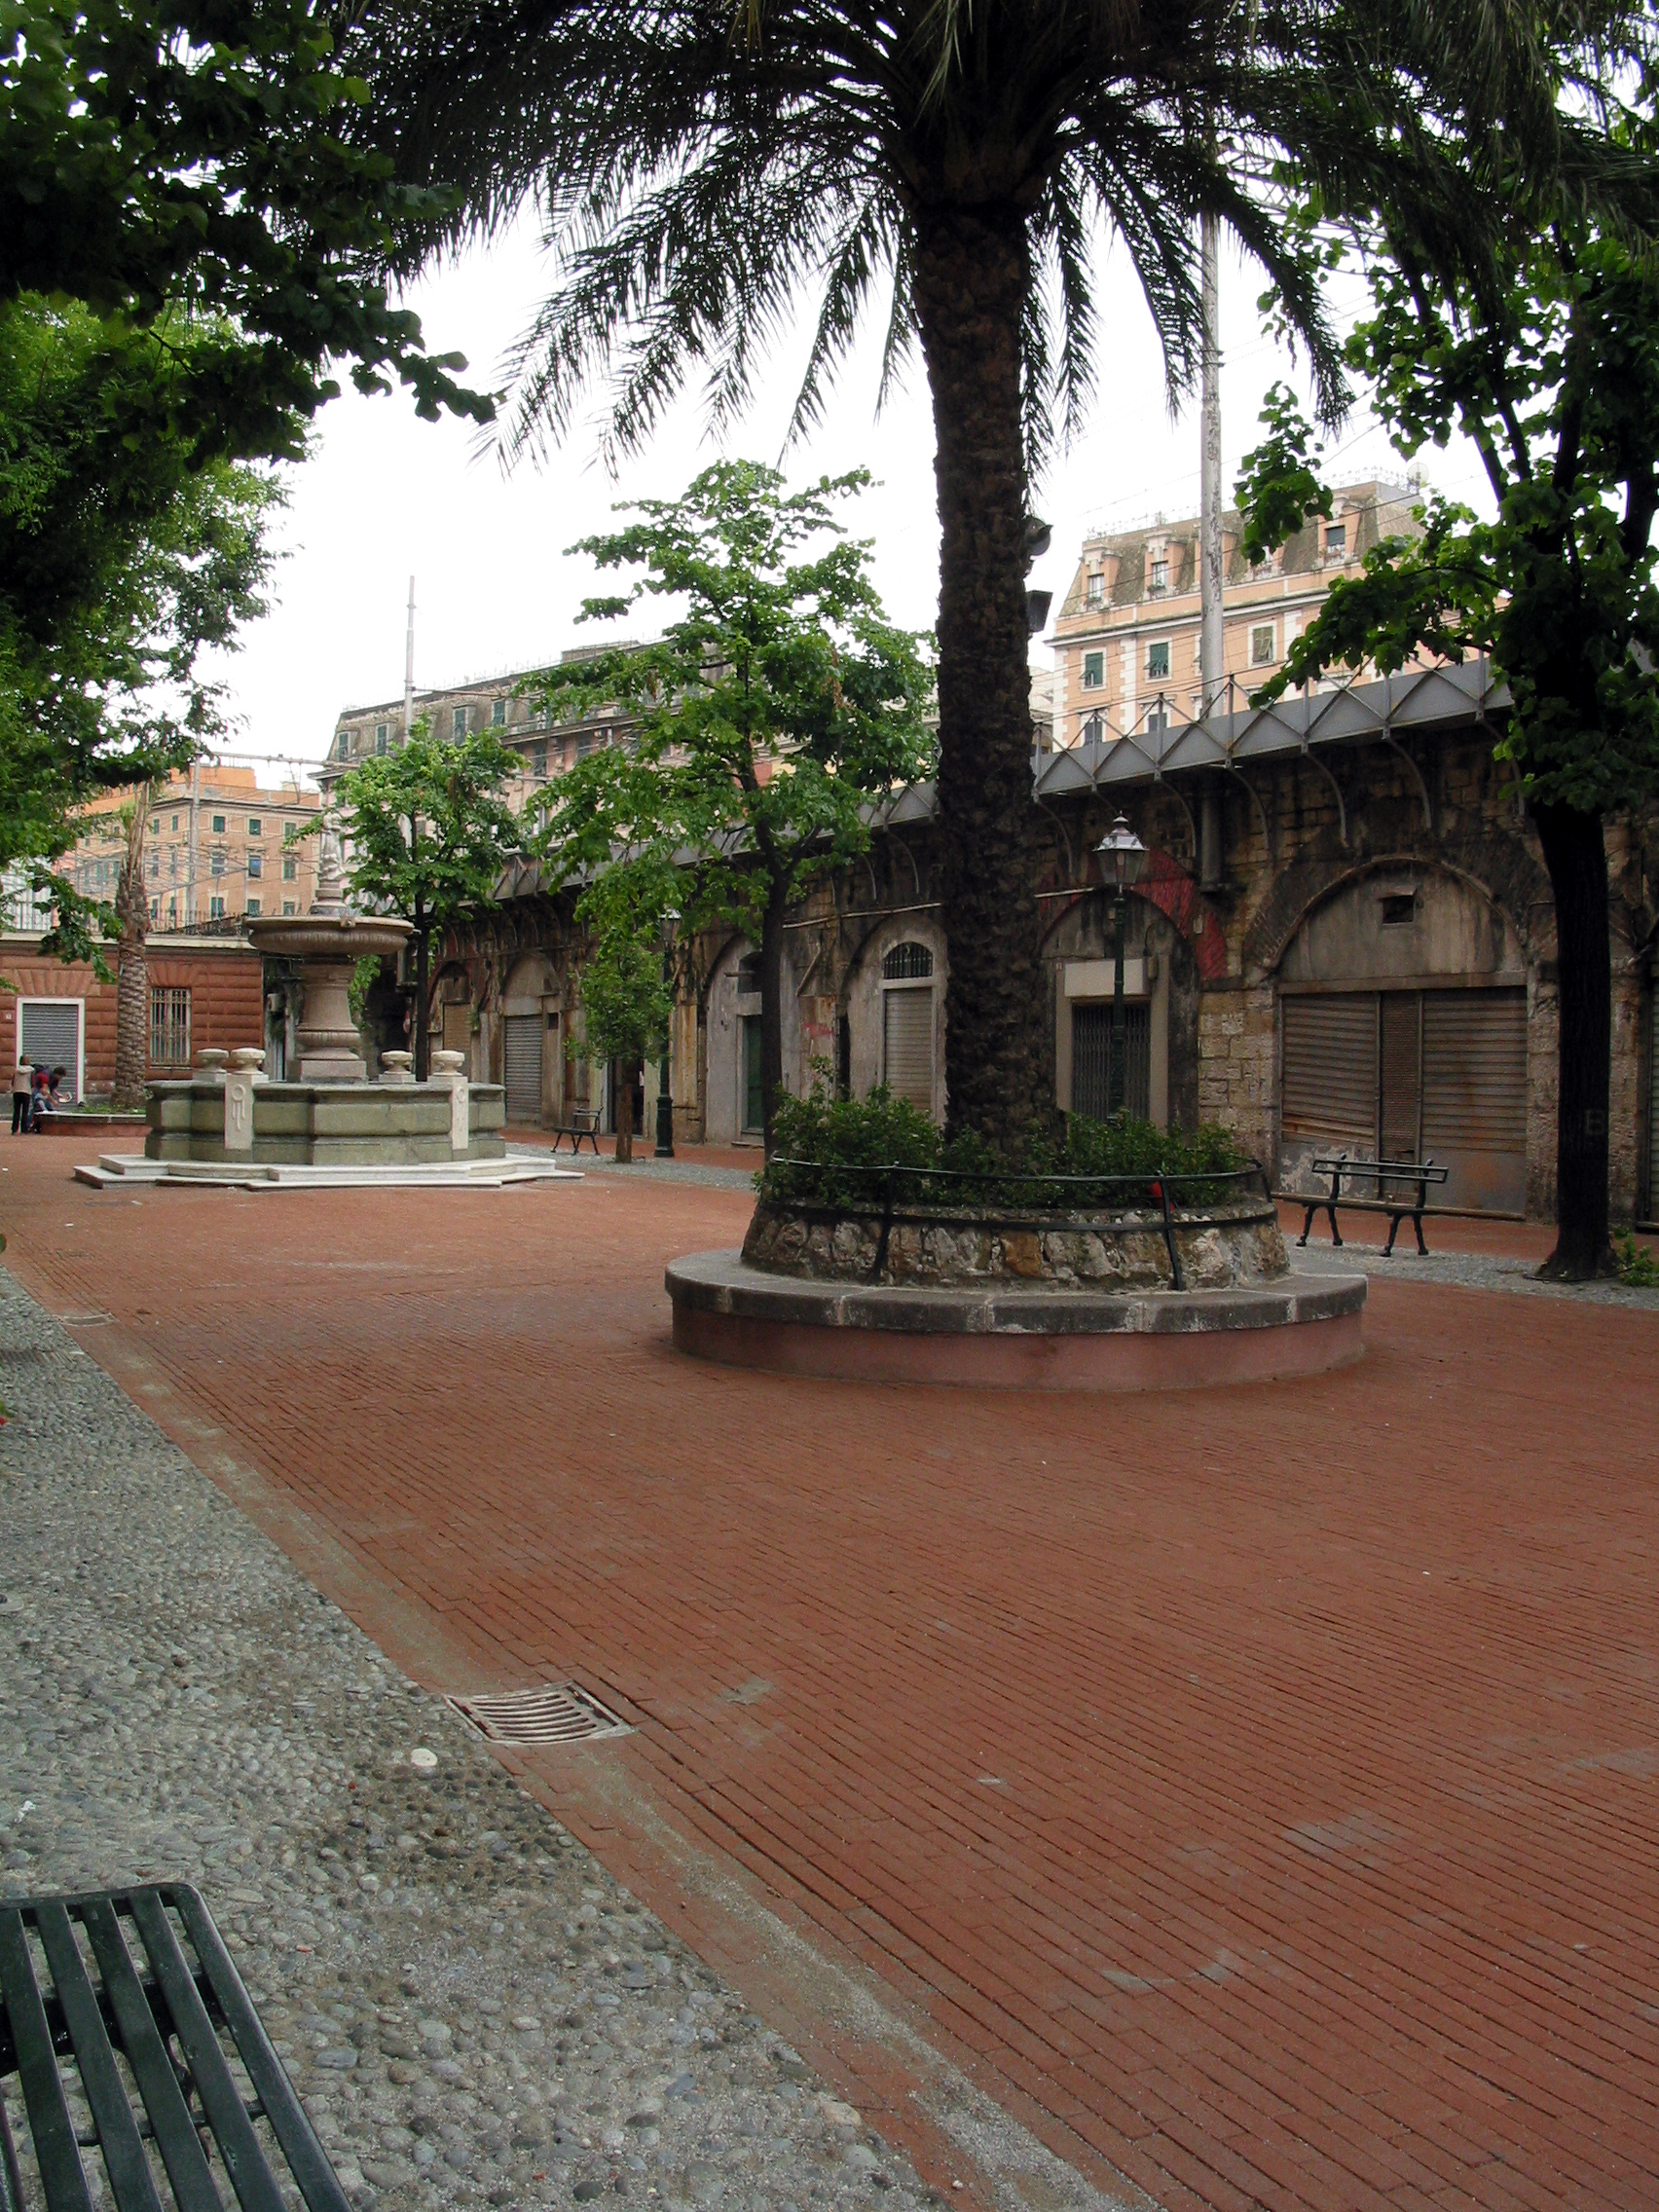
(1257, 1790)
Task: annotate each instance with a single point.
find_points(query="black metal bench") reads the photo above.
(176, 2124)
(1419, 1174)
(583, 1121)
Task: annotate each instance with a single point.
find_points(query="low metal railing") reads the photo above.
(1026, 1201)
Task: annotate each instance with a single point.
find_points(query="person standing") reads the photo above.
(22, 1082)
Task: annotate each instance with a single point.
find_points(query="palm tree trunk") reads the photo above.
(132, 994)
(973, 278)
(1576, 858)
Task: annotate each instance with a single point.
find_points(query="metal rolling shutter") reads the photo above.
(1329, 1085)
(51, 1038)
(1474, 1071)
(907, 1046)
(1091, 1059)
(523, 1060)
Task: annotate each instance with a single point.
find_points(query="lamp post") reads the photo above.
(665, 1099)
(1123, 856)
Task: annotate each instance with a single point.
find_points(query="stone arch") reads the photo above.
(532, 1038)
(729, 1006)
(1337, 933)
(870, 1028)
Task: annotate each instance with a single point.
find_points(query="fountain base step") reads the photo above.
(998, 1338)
(129, 1169)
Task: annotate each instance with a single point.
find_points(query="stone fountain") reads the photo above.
(330, 1124)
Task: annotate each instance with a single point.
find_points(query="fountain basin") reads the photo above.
(330, 1125)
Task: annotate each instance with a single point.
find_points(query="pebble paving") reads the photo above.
(471, 2009)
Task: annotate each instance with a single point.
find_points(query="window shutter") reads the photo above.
(522, 1059)
(907, 1046)
(1474, 1071)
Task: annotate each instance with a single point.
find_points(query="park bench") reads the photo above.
(580, 1121)
(1417, 1174)
(202, 2108)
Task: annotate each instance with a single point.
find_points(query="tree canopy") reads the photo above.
(123, 560)
(429, 835)
(1552, 373)
(776, 703)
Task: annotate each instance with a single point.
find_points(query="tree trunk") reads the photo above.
(1576, 858)
(972, 282)
(132, 994)
(771, 1012)
(623, 1099)
(422, 1024)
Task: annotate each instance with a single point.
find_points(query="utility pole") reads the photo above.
(1212, 647)
(409, 666)
(190, 857)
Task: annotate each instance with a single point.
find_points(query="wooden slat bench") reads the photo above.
(1418, 1174)
(116, 1980)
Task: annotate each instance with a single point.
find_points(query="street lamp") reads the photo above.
(1123, 856)
(665, 1101)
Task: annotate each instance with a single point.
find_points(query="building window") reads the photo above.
(216, 866)
(1157, 661)
(155, 909)
(1095, 731)
(215, 910)
(154, 865)
(1336, 541)
(1096, 588)
(155, 825)
(457, 723)
(1399, 910)
(1160, 576)
(291, 869)
(1093, 671)
(252, 905)
(287, 905)
(176, 820)
(538, 760)
(910, 963)
(499, 715)
(1262, 645)
(381, 736)
(253, 829)
(169, 1027)
(344, 745)
(218, 826)
(256, 865)
(1156, 721)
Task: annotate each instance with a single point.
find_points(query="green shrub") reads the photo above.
(1638, 1268)
(822, 1143)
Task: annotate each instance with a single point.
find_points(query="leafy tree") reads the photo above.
(701, 165)
(428, 834)
(194, 158)
(122, 562)
(629, 1006)
(775, 705)
(1555, 378)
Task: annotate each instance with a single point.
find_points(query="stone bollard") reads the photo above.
(446, 1069)
(210, 1064)
(239, 1110)
(397, 1067)
(251, 1057)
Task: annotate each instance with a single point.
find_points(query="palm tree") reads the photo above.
(133, 967)
(701, 163)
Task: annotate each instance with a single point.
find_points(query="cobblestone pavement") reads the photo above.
(472, 2010)
(1251, 1791)
(1470, 1270)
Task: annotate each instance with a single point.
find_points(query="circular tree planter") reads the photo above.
(1148, 1295)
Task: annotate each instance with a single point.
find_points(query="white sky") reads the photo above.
(384, 495)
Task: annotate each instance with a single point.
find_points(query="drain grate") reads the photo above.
(550, 1712)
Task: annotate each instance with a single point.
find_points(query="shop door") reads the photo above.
(1400, 1049)
(1328, 1087)
(907, 1046)
(50, 1037)
(1091, 1058)
(522, 1067)
(754, 1087)
(1474, 1095)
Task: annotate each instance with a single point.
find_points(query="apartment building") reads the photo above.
(545, 743)
(1125, 639)
(215, 849)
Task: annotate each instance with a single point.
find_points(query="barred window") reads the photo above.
(909, 963)
(169, 1027)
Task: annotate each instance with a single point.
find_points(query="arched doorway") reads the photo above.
(735, 1103)
(893, 1012)
(1403, 1034)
